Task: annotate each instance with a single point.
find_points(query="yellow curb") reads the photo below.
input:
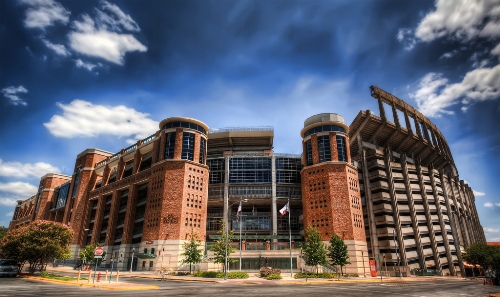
(101, 286)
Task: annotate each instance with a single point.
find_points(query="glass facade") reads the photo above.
(250, 170)
(324, 148)
(185, 125)
(341, 148)
(309, 158)
(325, 128)
(77, 181)
(169, 145)
(187, 146)
(62, 195)
(202, 150)
(216, 166)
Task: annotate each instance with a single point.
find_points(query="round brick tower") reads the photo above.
(330, 191)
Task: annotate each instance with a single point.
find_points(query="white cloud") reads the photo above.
(12, 92)
(497, 204)
(491, 230)
(488, 204)
(8, 201)
(44, 13)
(87, 65)
(111, 17)
(448, 55)
(102, 37)
(18, 189)
(496, 51)
(83, 119)
(462, 19)
(57, 48)
(478, 194)
(9, 214)
(23, 170)
(405, 35)
(434, 94)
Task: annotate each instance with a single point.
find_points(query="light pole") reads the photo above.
(363, 259)
(227, 237)
(396, 249)
(132, 260)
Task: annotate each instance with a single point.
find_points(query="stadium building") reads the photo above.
(387, 185)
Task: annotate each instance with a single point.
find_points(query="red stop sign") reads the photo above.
(98, 251)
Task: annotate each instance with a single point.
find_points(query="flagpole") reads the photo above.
(290, 234)
(240, 218)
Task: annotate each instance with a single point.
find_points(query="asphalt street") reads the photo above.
(27, 287)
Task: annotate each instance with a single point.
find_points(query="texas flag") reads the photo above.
(284, 210)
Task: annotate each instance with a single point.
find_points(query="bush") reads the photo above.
(44, 274)
(273, 276)
(208, 274)
(236, 274)
(266, 271)
(315, 275)
(214, 274)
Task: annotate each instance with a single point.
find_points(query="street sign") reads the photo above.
(98, 251)
(98, 257)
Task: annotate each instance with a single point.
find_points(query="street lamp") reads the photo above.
(132, 260)
(227, 236)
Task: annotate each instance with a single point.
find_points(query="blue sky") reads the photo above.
(82, 74)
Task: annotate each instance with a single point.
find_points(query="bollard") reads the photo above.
(117, 274)
(79, 271)
(106, 275)
(98, 277)
(88, 279)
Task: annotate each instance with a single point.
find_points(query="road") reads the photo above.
(27, 287)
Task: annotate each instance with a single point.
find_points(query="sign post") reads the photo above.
(379, 262)
(97, 255)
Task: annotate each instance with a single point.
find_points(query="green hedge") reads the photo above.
(214, 274)
(273, 276)
(322, 275)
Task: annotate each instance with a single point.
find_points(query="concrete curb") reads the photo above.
(103, 286)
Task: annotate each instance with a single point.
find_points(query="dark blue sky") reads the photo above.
(79, 74)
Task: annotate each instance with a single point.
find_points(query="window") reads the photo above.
(341, 148)
(62, 195)
(325, 128)
(77, 180)
(216, 174)
(309, 153)
(250, 170)
(202, 150)
(187, 146)
(185, 125)
(146, 161)
(324, 148)
(129, 167)
(170, 145)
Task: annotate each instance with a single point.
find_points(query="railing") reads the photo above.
(148, 139)
(243, 129)
(285, 155)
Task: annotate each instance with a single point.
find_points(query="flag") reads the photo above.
(284, 210)
(238, 214)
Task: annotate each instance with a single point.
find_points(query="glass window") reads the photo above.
(77, 180)
(185, 125)
(341, 148)
(187, 146)
(309, 153)
(170, 145)
(202, 150)
(325, 128)
(62, 195)
(216, 173)
(250, 170)
(324, 148)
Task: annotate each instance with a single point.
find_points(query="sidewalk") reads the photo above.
(126, 279)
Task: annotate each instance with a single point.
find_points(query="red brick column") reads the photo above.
(333, 146)
(128, 226)
(113, 217)
(314, 149)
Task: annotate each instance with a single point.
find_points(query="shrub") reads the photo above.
(273, 276)
(266, 271)
(209, 274)
(237, 274)
(44, 274)
(315, 275)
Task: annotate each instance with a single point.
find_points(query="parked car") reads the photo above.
(8, 267)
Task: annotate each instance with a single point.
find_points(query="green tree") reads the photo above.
(337, 252)
(484, 255)
(37, 243)
(219, 247)
(192, 253)
(3, 232)
(88, 254)
(314, 248)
